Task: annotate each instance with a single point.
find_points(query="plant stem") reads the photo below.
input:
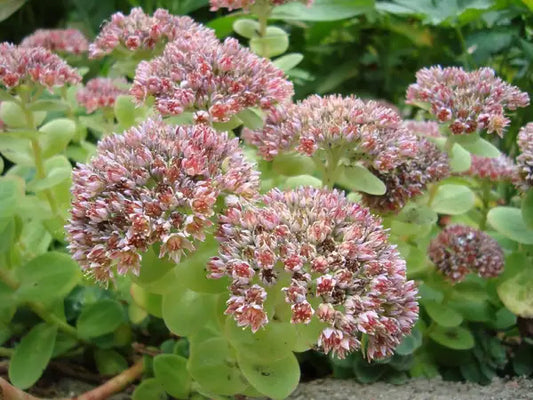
(6, 352)
(114, 385)
(485, 199)
(433, 189)
(9, 392)
(469, 61)
(37, 157)
(263, 10)
(39, 309)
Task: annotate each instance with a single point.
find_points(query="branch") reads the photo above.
(114, 385)
(9, 392)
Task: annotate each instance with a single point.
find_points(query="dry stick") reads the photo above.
(115, 385)
(9, 392)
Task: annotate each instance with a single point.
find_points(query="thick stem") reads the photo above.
(115, 385)
(37, 157)
(9, 392)
(263, 9)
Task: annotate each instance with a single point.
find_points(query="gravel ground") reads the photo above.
(419, 389)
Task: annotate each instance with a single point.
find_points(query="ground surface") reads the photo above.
(435, 389)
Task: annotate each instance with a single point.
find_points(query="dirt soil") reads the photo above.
(419, 389)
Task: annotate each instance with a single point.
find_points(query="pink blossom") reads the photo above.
(458, 250)
(137, 191)
(500, 168)
(525, 160)
(410, 178)
(334, 251)
(466, 101)
(216, 79)
(246, 4)
(141, 32)
(366, 131)
(19, 65)
(101, 93)
(70, 41)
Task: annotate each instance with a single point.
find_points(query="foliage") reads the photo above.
(170, 313)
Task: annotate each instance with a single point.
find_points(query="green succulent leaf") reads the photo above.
(151, 389)
(453, 199)
(32, 355)
(509, 222)
(246, 27)
(275, 379)
(359, 178)
(274, 43)
(47, 277)
(288, 61)
(456, 338)
(302, 180)
(171, 371)
(109, 362)
(527, 209)
(516, 293)
(293, 164)
(55, 135)
(212, 366)
(443, 315)
(100, 318)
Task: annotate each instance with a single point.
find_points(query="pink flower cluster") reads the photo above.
(246, 4)
(36, 65)
(139, 31)
(410, 178)
(428, 129)
(101, 93)
(217, 80)
(370, 132)
(154, 184)
(501, 168)
(70, 41)
(327, 249)
(467, 101)
(458, 250)
(525, 160)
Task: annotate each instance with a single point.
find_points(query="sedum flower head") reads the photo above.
(101, 93)
(139, 31)
(501, 168)
(370, 132)
(410, 178)
(220, 79)
(458, 250)
(525, 160)
(467, 101)
(70, 41)
(246, 4)
(428, 129)
(34, 65)
(155, 184)
(335, 259)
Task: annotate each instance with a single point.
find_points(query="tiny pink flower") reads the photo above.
(141, 32)
(368, 131)
(525, 160)
(34, 65)
(100, 93)
(364, 291)
(410, 178)
(68, 41)
(192, 74)
(466, 101)
(496, 169)
(134, 193)
(458, 250)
